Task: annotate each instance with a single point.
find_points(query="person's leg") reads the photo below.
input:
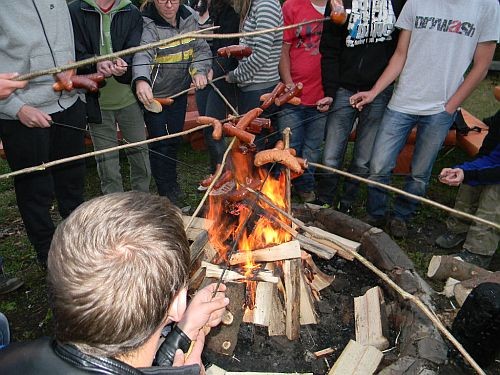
(467, 200)
(28, 147)
(366, 131)
(391, 137)
(339, 124)
(4, 331)
(131, 123)
(483, 239)
(431, 133)
(69, 178)
(108, 164)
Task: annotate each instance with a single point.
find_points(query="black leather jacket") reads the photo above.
(46, 356)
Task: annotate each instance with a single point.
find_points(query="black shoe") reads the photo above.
(473, 258)
(449, 240)
(398, 228)
(9, 284)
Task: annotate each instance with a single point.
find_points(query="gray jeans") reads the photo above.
(481, 201)
(131, 124)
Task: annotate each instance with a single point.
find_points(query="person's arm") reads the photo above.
(389, 75)
(482, 60)
(8, 85)
(284, 65)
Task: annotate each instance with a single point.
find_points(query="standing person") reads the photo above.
(258, 73)
(437, 42)
(174, 68)
(29, 117)
(353, 56)
(301, 62)
(218, 13)
(102, 27)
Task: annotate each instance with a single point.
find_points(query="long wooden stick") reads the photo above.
(130, 51)
(191, 88)
(404, 294)
(411, 196)
(288, 180)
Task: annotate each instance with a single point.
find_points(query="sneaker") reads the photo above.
(473, 258)
(9, 284)
(307, 196)
(378, 222)
(398, 228)
(449, 240)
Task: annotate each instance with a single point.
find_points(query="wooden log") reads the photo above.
(198, 245)
(287, 250)
(315, 247)
(215, 271)
(443, 266)
(222, 339)
(198, 225)
(461, 293)
(344, 242)
(291, 274)
(324, 352)
(261, 314)
(462, 290)
(307, 311)
(277, 324)
(368, 315)
(449, 286)
(320, 279)
(357, 359)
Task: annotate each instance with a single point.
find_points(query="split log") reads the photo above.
(462, 290)
(443, 266)
(368, 315)
(344, 242)
(461, 293)
(324, 352)
(320, 279)
(213, 270)
(333, 244)
(449, 286)
(357, 359)
(198, 245)
(277, 324)
(287, 250)
(199, 224)
(307, 312)
(261, 314)
(315, 247)
(291, 273)
(223, 338)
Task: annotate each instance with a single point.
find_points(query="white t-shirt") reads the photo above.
(444, 36)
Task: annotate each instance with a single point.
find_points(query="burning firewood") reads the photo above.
(287, 250)
(215, 271)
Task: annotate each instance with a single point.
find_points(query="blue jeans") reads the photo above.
(391, 138)
(4, 331)
(163, 154)
(209, 103)
(338, 128)
(308, 129)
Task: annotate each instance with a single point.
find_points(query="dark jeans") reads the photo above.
(35, 192)
(210, 103)
(163, 154)
(248, 100)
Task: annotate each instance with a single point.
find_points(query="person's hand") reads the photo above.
(194, 356)
(323, 104)
(200, 81)
(361, 99)
(450, 109)
(451, 176)
(210, 75)
(204, 310)
(8, 86)
(106, 68)
(119, 67)
(144, 92)
(33, 118)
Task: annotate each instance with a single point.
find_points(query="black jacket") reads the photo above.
(126, 31)
(45, 356)
(353, 68)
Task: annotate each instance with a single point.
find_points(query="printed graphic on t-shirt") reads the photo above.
(445, 25)
(371, 21)
(308, 37)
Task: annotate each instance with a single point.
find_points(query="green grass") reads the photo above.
(27, 308)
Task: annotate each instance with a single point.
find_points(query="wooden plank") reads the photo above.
(368, 317)
(287, 250)
(215, 271)
(357, 359)
(320, 279)
(291, 274)
(223, 338)
(261, 314)
(307, 312)
(277, 325)
(315, 247)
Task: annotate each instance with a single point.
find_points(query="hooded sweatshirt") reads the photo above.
(31, 40)
(114, 95)
(355, 54)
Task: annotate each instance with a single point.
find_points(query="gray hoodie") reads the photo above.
(34, 35)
